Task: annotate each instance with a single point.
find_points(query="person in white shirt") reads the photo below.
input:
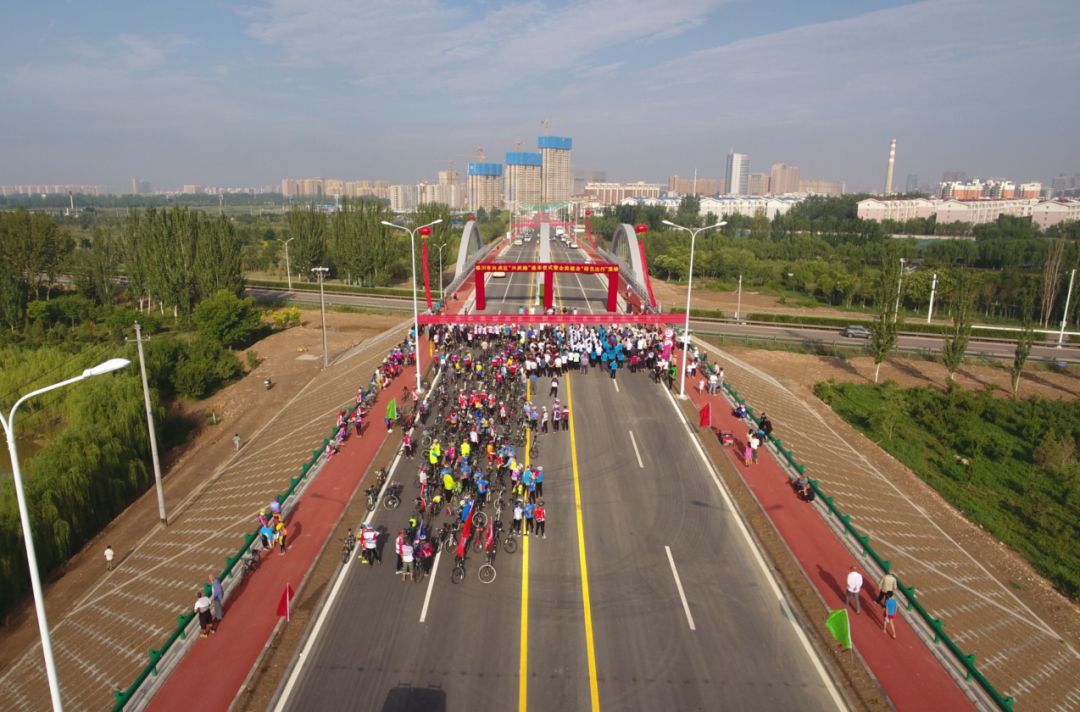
(854, 585)
(407, 560)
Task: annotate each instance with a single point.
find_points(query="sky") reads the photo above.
(246, 93)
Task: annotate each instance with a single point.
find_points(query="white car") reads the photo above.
(572, 245)
(518, 242)
(498, 274)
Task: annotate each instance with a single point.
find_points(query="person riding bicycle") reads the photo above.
(369, 538)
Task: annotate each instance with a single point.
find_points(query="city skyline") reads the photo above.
(226, 96)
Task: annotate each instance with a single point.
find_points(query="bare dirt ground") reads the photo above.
(674, 295)
(799, 373)
(291, 358)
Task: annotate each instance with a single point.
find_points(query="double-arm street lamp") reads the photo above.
(416, 313)
(288, 271)
(24, 516)
(689, 284)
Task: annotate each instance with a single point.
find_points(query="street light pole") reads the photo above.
(738, 300)
(416, 313)
(689, 285)
(321, 272)
(441, 295)
(24, 517)
(288, 269)
(899, 285)
(1065, 316)
(933, 291)
(150, 427)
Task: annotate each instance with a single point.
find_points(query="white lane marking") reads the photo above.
(799, 632)
(430, 585)
(616, 382)
(328, 605)
(678, 585)
(633, 442)
(585, 294)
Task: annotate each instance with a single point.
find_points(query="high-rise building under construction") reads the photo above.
(523, 179)
(485, 185)
(557, 175)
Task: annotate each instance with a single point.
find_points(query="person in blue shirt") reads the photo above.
(481, 489)
(887, 624)
(529, 509)
(466, 507)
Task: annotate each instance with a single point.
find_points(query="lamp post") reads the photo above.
(1065, 316)
(933, 291)
(288, 270)
(738, 300)
(24, 516)
(689, 284)
(416, 314)
(320, 272)
(441, 295)
(899, 287)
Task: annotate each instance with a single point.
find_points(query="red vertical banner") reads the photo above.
(284, 607)
(641, 230)
(481, 297)
(549, 288)
(588, 233)
(705, 416)
(613, 291)
(427, 276)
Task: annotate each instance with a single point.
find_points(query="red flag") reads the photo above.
(705, 416)
(466, 534)
(489, 537)
(427, 275)
(284, 606)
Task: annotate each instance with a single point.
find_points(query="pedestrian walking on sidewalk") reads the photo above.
(755, 445)
(747, 453)
(217, 600)
(888, 624)
(854, 586)
(886, 588)
(202, 608)
(109, 555)
(236, 440)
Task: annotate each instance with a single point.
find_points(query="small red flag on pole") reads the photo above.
(284, 606)
(705, 420)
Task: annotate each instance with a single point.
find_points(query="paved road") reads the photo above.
(618, 529)
(587, 293)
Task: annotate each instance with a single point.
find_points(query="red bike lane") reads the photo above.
(213, 670)
(905, 668)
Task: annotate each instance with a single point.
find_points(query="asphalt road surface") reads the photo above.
(644, 595)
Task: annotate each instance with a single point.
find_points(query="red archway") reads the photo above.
(549, 269)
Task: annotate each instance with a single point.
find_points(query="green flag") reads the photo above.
(840, 627)
(391, 409)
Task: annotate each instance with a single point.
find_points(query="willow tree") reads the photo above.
(308, 230)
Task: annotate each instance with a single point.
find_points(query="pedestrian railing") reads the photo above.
(184, 620)
(966, 660)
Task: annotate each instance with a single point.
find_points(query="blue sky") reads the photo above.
(246, 93)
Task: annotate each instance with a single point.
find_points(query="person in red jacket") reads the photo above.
(540, 519)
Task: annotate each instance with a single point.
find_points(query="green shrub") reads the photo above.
(203, 367)
(227, 319)
(1010, 466)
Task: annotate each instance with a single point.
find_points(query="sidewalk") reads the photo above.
(213, 671)
(908, 672)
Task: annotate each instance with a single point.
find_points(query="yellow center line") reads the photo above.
(523, 665)
(594, 689)
(590, 648)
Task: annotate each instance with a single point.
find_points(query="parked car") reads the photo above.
(517, 242)
(855, 331)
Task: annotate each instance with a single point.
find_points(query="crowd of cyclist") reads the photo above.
(475, 437)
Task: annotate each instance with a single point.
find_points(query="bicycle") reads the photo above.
(372, 493)
(510, 544)
(458, 573)
(487, 571)
(252, 560)
(392, 500)
(347, 549)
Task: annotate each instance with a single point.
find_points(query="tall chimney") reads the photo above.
(889, 172)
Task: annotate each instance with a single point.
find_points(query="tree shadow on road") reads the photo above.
(406, 698)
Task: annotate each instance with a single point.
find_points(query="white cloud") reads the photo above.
(432, 44)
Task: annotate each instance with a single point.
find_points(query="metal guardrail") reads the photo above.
(965, 660)
(184, 620)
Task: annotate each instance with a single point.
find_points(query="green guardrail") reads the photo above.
(122, 697)
(966, 660)
(330, 287)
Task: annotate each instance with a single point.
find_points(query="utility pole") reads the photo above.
(150, 427)
(321, 272)
(288, 269)
(1065, 316)
(933, 291)
(738, 300)
(899, 289)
